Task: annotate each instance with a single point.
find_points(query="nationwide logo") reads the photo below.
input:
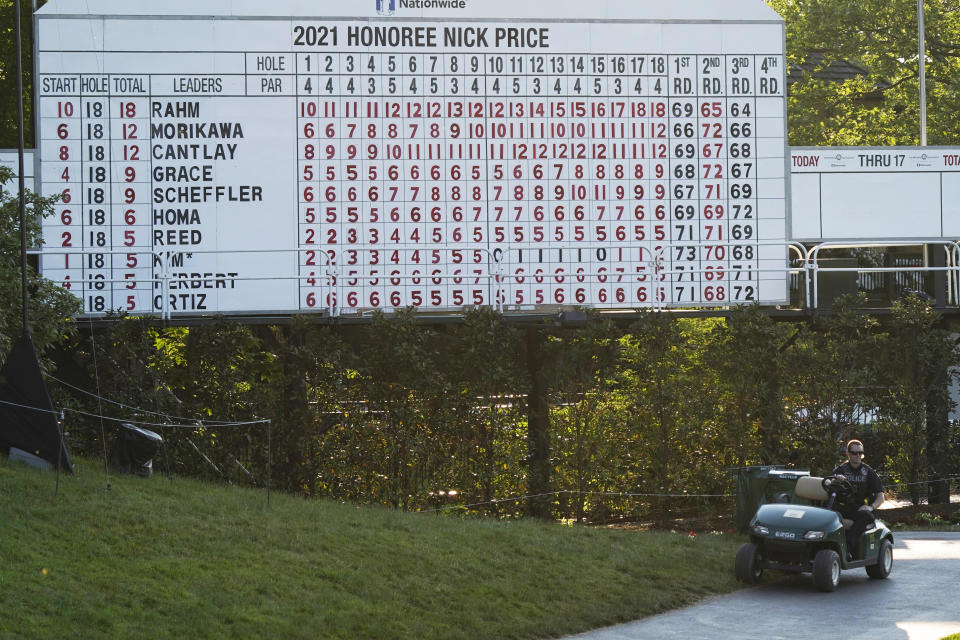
(389, 7)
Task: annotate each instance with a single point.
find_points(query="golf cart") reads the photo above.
(803, 537)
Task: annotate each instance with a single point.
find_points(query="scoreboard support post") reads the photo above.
(538, 428)
(21, 180)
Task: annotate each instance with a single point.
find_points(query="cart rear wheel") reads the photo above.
(884, 562)
(826, 570)
(747, 566)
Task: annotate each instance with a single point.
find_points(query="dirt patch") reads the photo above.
(693, 521)
(921, 515)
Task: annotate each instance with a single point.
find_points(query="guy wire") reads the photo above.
(103, 435)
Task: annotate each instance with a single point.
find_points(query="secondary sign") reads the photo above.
(346, 157)
(875, 193)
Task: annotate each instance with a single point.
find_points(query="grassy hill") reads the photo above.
(183, 559)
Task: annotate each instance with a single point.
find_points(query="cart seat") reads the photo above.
(811, 488)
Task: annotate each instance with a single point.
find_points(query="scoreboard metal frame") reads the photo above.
(439, 158)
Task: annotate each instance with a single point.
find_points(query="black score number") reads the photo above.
(310, 36)
(96, 303)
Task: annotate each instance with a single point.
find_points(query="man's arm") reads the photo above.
(877, 489)
(873, 506)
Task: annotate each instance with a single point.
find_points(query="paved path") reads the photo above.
(919, 601)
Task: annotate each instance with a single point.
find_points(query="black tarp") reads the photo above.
(133, 450)
(28, 422)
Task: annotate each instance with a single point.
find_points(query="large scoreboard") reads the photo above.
(341, 157)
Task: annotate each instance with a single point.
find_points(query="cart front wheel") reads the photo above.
(747, 566)
(826, 570)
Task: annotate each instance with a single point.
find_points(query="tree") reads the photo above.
(408, 420)
(196, 378)
(672, 400)
(50, 308)
(881, 108)
(479, 358)
(8, 72)
(747, 354)
(834, 384)
(584, 426)
(917, 354)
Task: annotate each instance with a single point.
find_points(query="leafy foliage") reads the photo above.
(49, 307)
(882, 107)
(833, 392)
(747, 353)
(426, 417)
(8, 72)
(915, 356)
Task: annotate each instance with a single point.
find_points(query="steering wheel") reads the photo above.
(838, 485)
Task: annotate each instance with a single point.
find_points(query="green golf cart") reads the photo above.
(807, 536)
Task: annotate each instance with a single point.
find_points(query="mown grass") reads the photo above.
(182, 559)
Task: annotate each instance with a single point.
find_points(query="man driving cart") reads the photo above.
(865, 497)
(827, 527)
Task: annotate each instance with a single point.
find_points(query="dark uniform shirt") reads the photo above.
(866, 486)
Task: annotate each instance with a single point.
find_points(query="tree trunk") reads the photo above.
(913, 477)
(938, 440)
(488, 438)
(292, 449)
(538, 430)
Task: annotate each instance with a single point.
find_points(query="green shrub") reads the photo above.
(931, 519)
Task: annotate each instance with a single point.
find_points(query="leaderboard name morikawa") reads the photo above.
(208, 194)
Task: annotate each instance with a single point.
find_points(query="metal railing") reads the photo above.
(952, 268)
(802, 268)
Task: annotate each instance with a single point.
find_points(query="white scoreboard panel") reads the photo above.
(10, 158)
(875, 193)
(342, 157)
